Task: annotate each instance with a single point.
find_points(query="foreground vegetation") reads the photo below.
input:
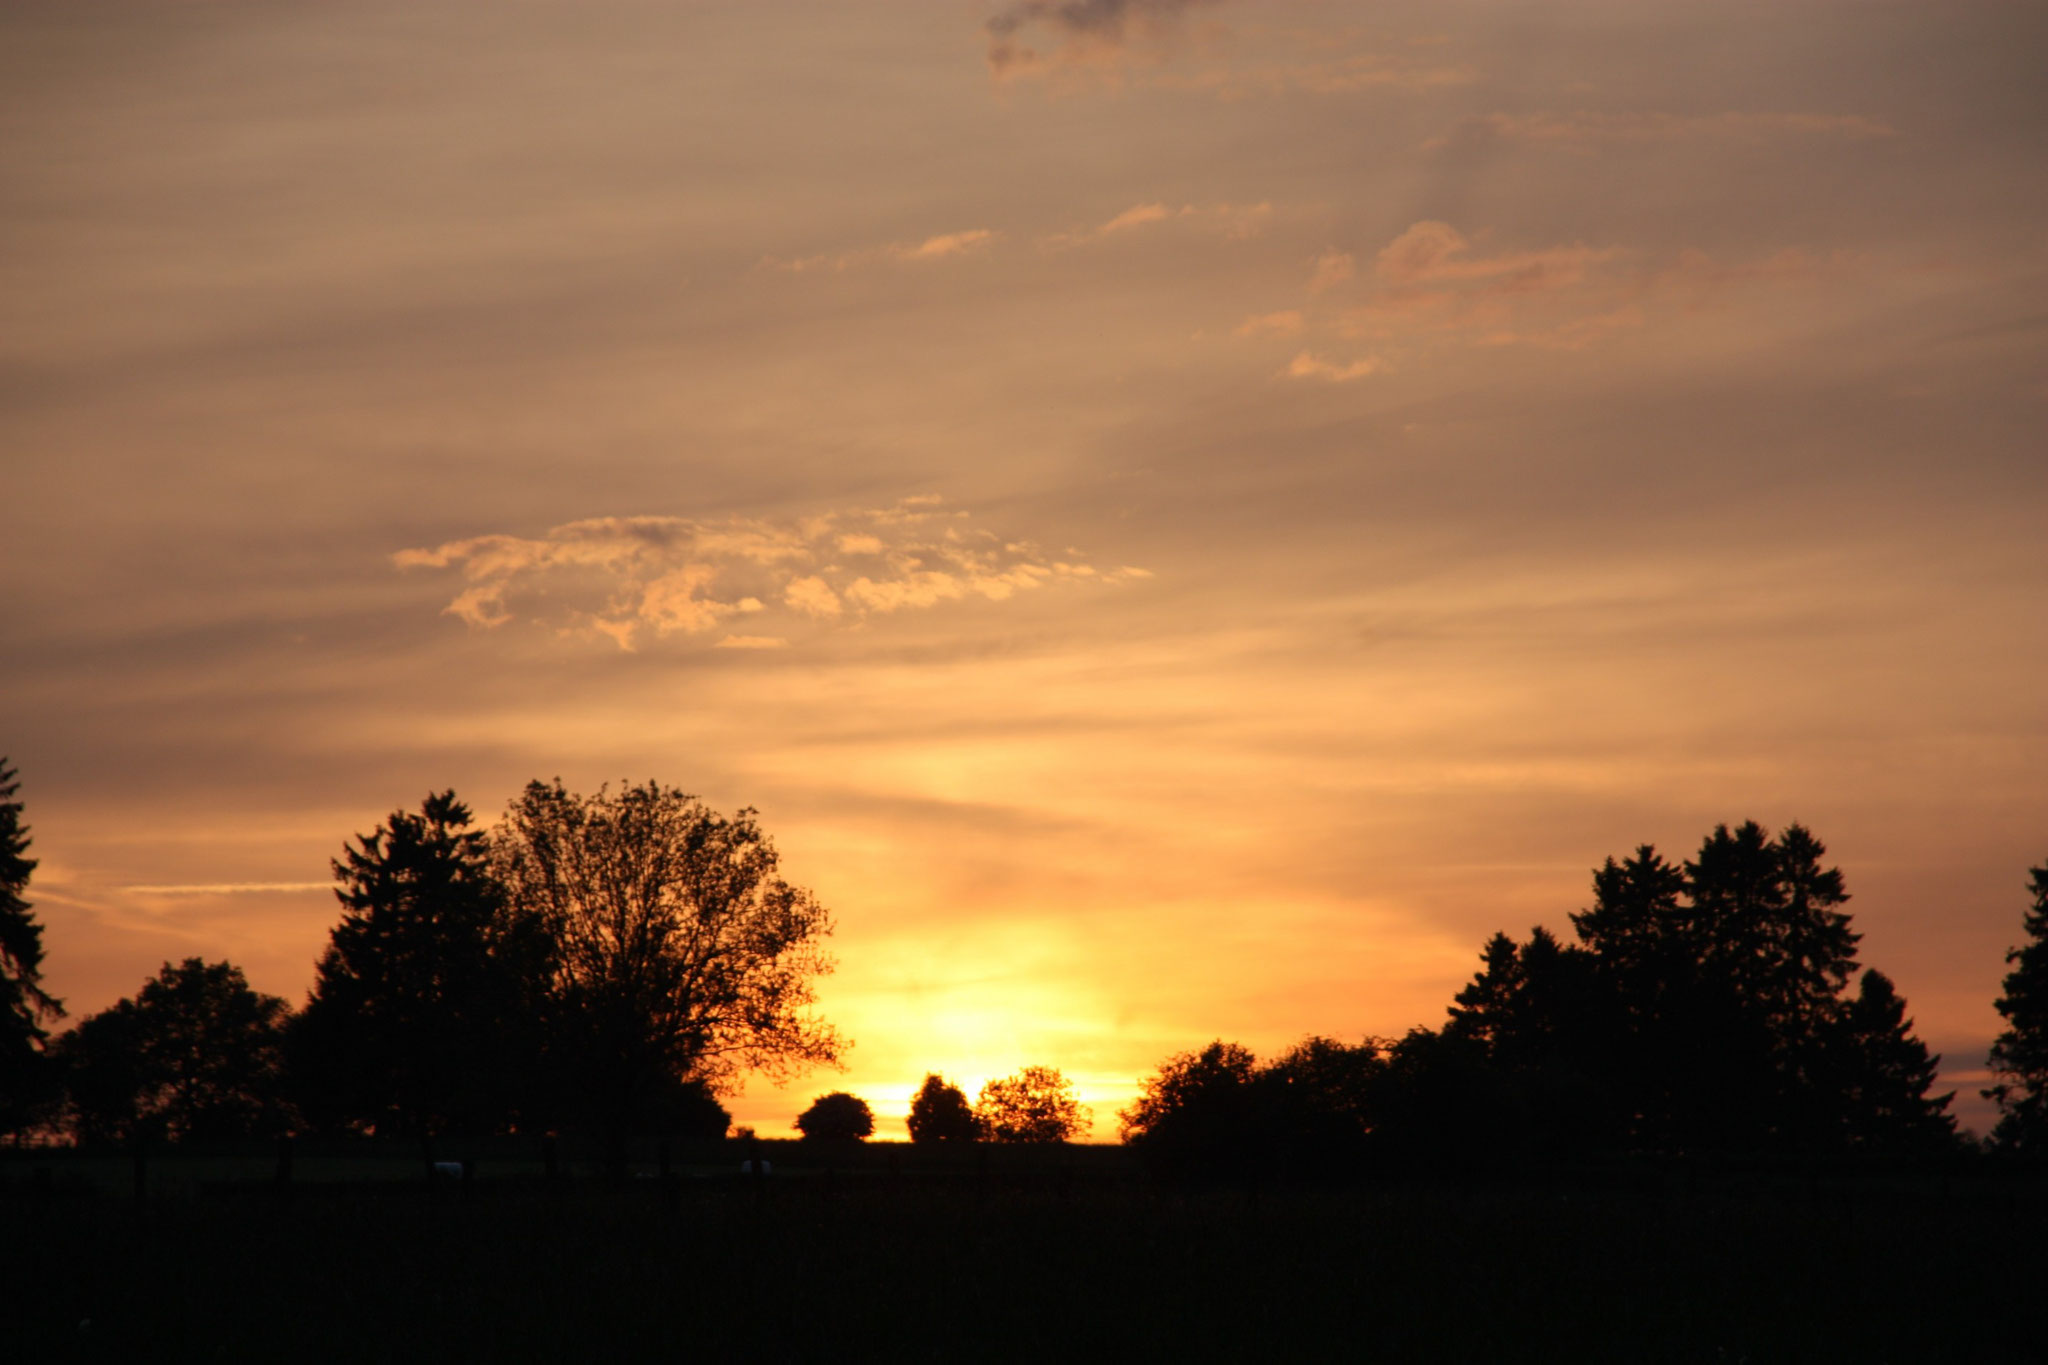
(1019, 1253)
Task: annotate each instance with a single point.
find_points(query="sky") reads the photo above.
(1183, 516)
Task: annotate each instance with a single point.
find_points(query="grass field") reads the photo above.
(1065, 1254)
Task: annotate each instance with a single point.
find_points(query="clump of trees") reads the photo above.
(606, 963)
(1705, 1008)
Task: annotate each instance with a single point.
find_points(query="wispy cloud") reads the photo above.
(631, 578)
(225, 888)
(1307, 365)
(945, 244)
(1235, 222)
(1285, 322)
(939, 247)
(1583, 131)
(1433, 284)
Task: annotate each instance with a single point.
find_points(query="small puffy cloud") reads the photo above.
(1308, 365)
(631, 578)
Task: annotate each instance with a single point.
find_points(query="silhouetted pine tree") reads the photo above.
(1887, 1073)
(2020, 1056)
(422, 1018)
(27, 1080)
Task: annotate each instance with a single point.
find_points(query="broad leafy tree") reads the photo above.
(1201, 1112)
(837, 1117)
(1035, 1105)
(2019, 1058)
(679, 953)
(426, 1010)
(194, 1055)
(27, 1082)
(939, 1112)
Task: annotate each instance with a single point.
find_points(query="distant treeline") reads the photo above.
(609, 965)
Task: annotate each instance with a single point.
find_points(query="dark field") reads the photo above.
(1064, 1254)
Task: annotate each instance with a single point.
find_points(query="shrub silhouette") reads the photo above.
(837, 1117)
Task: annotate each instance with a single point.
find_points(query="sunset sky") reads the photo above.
(1183, 517)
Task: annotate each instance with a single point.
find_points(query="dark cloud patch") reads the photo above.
(1086, 23)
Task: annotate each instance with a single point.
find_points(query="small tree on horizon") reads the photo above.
(837, 1117)
(939, 1112)
(1035, 1105)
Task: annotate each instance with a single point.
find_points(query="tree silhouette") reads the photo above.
(1035, 1105)
(425, 1011)
(1200, 1114)
(27, 1080)
(679, 954)
(939, 1112)
(837, 1117)
(196, 1054)
(1705, 1007)
(1885, 1074)
(2019, 1057)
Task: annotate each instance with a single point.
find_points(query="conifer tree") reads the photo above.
(2020, 1056)
(26, 1079)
